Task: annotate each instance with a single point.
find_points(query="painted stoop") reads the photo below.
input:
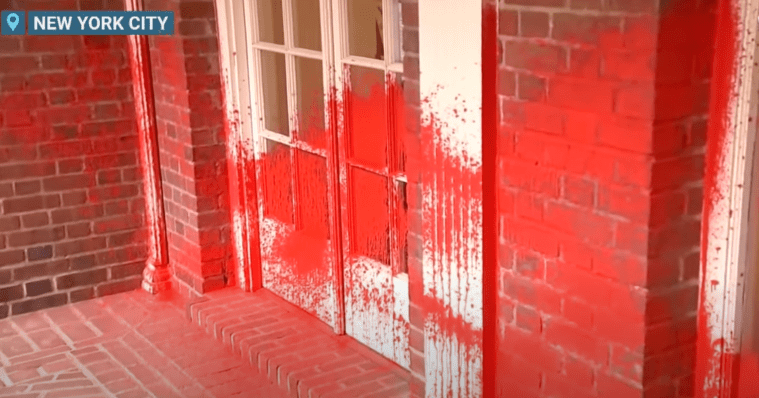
(295, 350)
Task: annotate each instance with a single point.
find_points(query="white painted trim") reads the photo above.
(231, 105)
(730, 235)
(450, 62)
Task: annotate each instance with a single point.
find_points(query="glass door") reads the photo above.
(290, 75)
(327, 95)
(368, 61)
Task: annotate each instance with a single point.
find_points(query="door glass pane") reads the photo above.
(402, 214)
(312, 200)
(365, 29)
(399, 121)
(371, 226)
(309, 83)
(270, 23)
(278, 193)
(367, 117)
(274, 85)
(396, 32)
(307, 24)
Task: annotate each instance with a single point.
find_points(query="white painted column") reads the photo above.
(450, 54)
(725, 225)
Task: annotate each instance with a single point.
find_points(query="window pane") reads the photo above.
(371, 224)
(278, 193)
(367, 117)
(365, 28)
(307, 24)
(396, 32)
(312, 200)
(399, 121)
(402, 214)
(309, 83)
(270, 23)
(274, 85)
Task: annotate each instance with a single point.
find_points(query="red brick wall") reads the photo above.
(72, 215)
(190, 125)
(71, 208)
(603, 109)
(685, 49)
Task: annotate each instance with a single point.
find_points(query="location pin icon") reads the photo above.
(12, 20)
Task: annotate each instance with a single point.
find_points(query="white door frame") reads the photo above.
(729, 235)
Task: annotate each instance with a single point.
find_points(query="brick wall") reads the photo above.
(190, 126)
(410, 44)
(71, 207)
(603, 107)
(685, 49)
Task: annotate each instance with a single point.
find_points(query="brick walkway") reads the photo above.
(137, 345)
(295, 350)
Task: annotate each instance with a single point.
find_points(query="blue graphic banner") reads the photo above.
(96, 22)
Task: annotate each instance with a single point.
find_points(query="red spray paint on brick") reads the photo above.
(536, 173)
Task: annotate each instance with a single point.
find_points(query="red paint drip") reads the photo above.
(455, 188)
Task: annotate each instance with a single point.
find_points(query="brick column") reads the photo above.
(604, 111)
(190, 125)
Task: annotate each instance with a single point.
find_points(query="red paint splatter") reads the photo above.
(627, 57)
(454, 185)
(711, 357)
(300, 184)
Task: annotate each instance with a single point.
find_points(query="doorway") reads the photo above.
(326, 95)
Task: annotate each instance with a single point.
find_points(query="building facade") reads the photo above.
(521, 198)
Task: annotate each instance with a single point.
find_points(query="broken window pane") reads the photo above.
(365, 29)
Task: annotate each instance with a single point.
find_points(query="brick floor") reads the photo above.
(226, 344)
(294, 350)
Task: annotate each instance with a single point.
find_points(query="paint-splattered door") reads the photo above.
(290, 75)
(327, 95)
(372, 174)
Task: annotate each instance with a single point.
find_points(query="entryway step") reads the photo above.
(295, 350)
